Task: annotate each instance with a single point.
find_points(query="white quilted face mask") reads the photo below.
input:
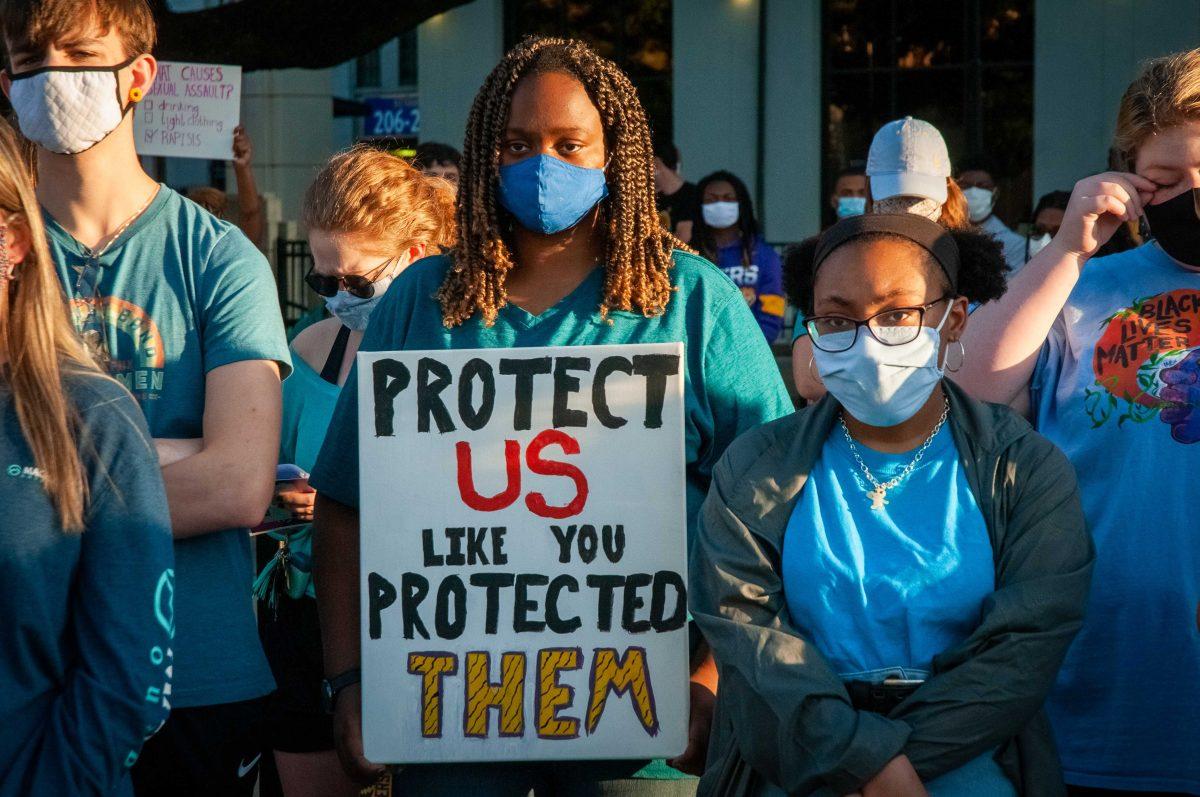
(68, 110)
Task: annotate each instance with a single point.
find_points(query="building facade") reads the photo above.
(782, 92)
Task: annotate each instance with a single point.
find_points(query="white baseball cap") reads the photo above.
(908, 157)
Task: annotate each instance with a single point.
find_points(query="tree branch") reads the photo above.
(279, 34)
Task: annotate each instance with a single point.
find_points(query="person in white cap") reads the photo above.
(909, 169)
(908, 166)
(980, 189)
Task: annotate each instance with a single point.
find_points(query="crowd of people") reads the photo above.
(936, 577)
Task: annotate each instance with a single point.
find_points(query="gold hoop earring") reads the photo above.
(962, 357)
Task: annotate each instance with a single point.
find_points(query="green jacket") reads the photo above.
(784, 715)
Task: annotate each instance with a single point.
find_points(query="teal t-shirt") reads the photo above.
(85, 646)
(731, 381)
(308, 404)
(179, 294)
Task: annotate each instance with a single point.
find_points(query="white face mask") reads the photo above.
(1037, 243)
(68, 110)
(720, 215)
(883, 385)
(979, 203)
(918, 206)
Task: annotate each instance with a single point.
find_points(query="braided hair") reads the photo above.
(637, 250)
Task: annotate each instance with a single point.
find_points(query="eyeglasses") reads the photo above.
(360, 285)
(894, 327)
(91, 326)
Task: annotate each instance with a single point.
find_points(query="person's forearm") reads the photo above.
(1004, 337)
(171, 451)
(250, 215)
(211, 492)
(683, 231)
(335, 575)
(704, 670)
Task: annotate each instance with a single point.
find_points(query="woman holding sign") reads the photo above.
(890, 579)
(559, 245)
(369, 215)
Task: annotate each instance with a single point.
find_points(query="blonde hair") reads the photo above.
(367, 192)
(214, 200)
(1165, 94)
(41, 343)
(954, 210)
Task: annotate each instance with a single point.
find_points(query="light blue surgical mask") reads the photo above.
(548, 195)
(848, 206)
(883, 385)
(354, 311)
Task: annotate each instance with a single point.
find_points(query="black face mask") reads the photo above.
(1175, 224)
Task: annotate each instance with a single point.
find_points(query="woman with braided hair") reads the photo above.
(559, 245)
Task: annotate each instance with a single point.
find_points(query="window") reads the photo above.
(636, 34)
(406, 59)
(366, 71)
(966, 67)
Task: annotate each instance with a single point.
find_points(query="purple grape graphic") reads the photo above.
(1182, 389)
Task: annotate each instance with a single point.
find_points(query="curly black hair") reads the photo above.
(981, 274)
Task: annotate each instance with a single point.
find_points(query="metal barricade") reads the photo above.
(293, 259)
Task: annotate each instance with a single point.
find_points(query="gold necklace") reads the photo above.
(112, 239)
(878, 495)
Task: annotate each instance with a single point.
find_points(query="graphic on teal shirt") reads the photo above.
(1147, 365)
(129, 331)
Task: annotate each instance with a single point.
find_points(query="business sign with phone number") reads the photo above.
(392, 116)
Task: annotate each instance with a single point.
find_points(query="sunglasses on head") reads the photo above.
(360, 285)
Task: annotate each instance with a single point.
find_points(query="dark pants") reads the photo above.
(551, 779)
(203, 751)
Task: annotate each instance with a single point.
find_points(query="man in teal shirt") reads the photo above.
(180, 308)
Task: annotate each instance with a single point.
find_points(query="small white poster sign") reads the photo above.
(523, 553)
(190, 111)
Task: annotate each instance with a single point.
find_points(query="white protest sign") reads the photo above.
(190, 111)
(523, 551)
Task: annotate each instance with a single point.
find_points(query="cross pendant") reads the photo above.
(878, 498)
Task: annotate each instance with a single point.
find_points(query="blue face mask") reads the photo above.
(354, 311)
(848, 206)
(548, 195)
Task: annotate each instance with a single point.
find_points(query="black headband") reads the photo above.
(927, 234)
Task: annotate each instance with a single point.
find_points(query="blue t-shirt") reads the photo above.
(731, 381)
(761, 279)
(181, 293)
(1117, 389)
(85, 646)
(881, 592)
